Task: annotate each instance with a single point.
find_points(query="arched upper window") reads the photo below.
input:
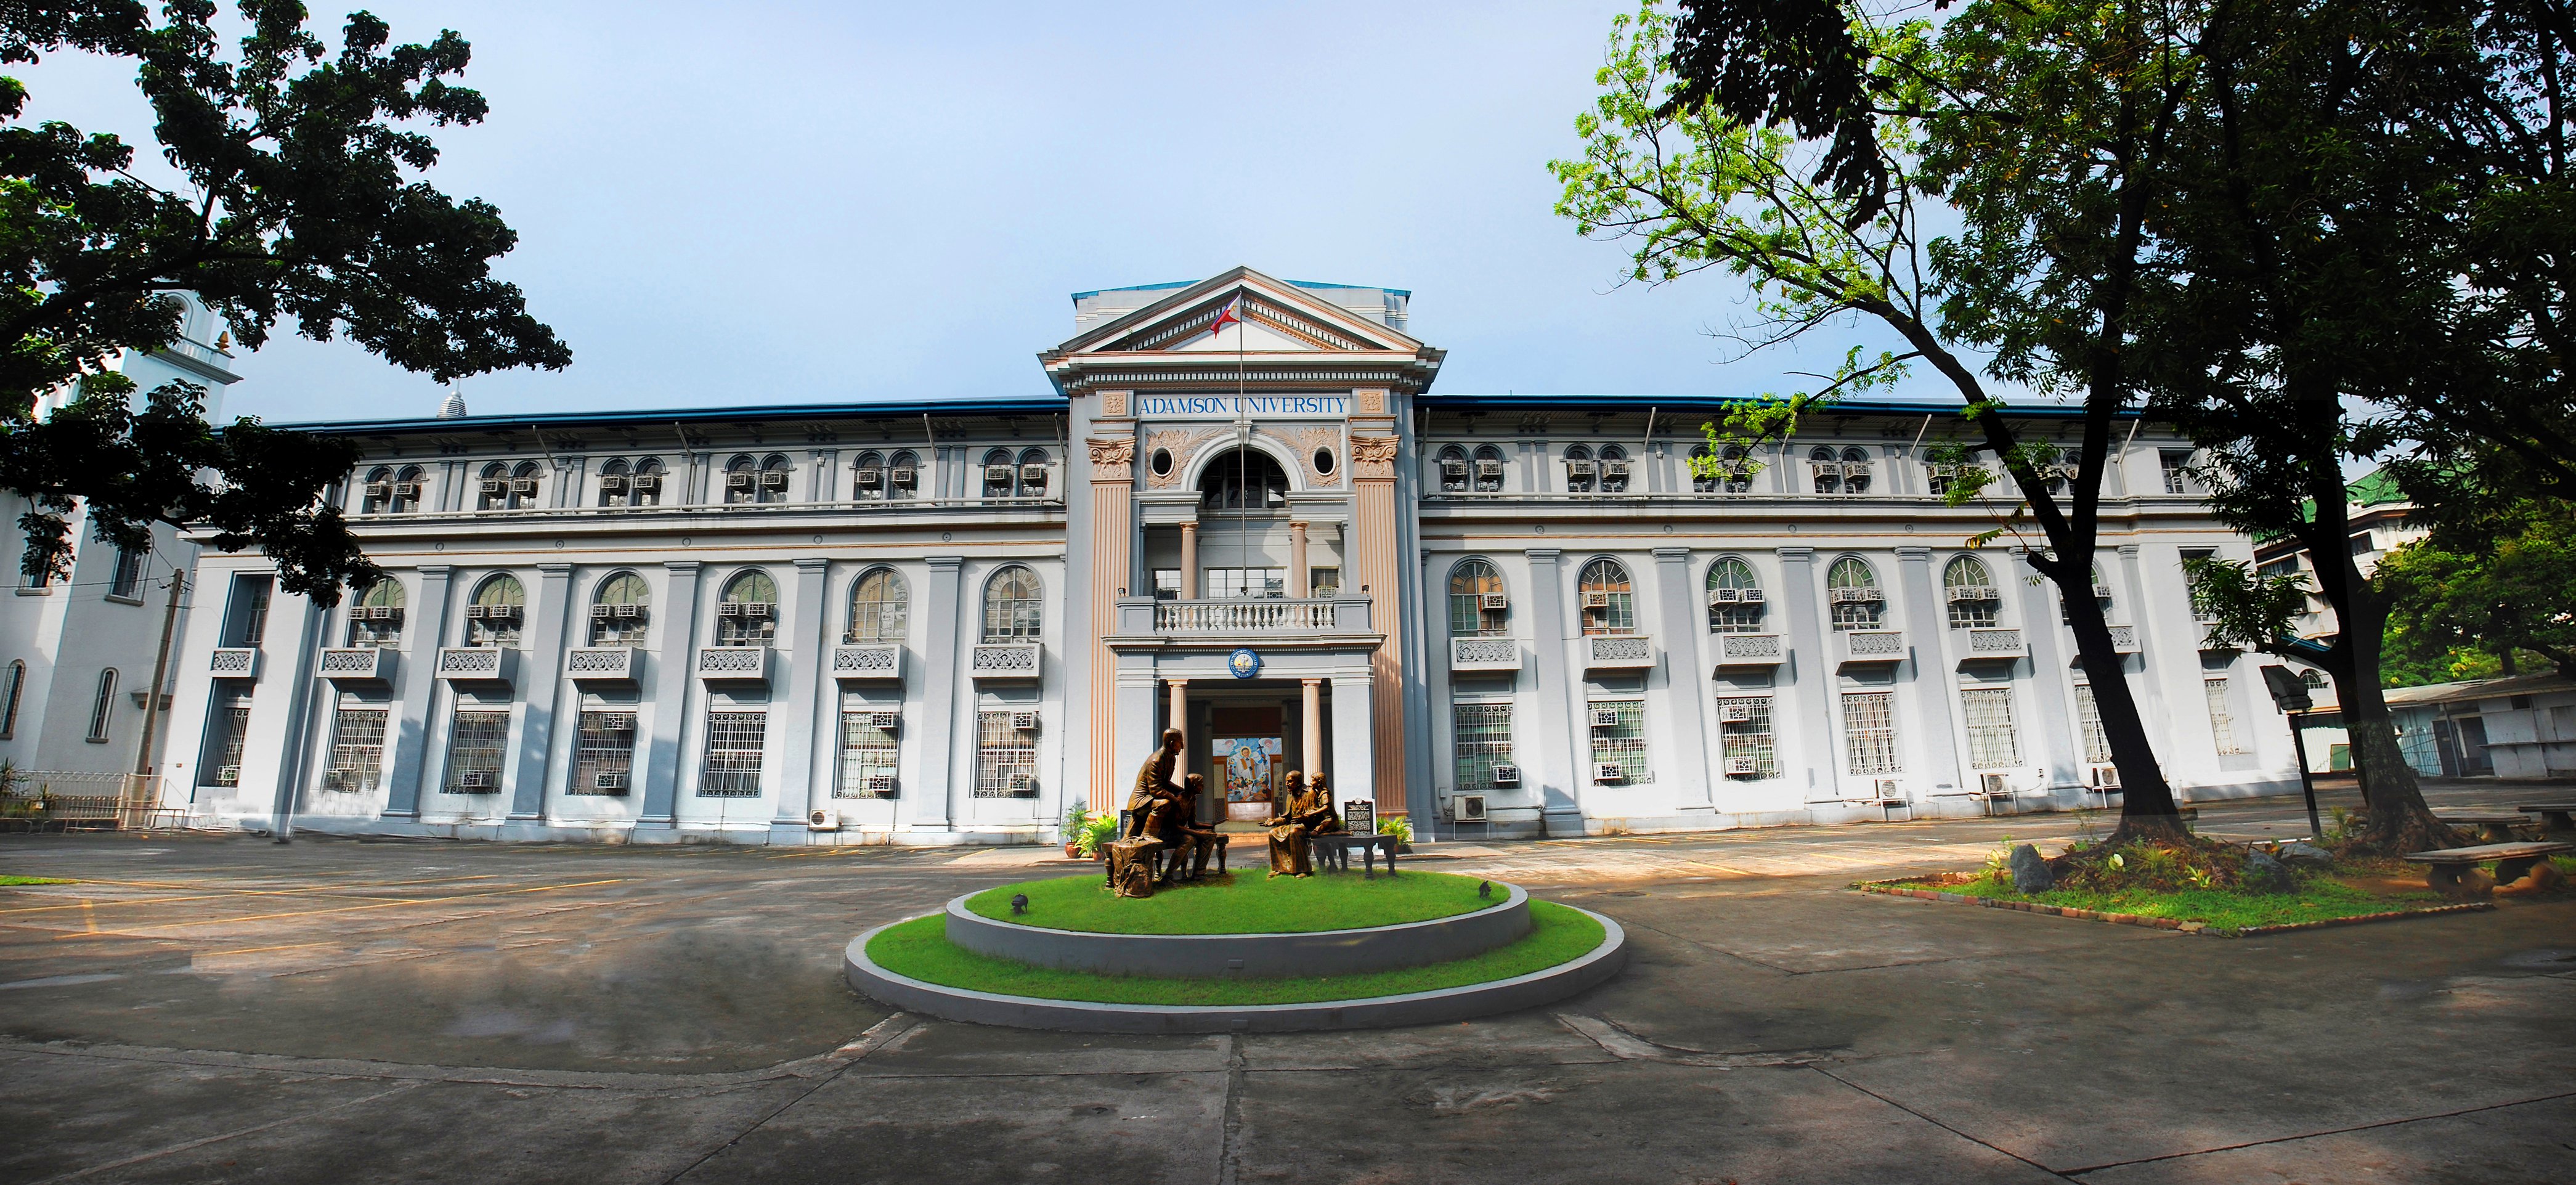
(742, 479)
(1855, 471)
(1489, 470)
(1477, 607)
(499, 608)
(747, 613)
(1858, 605)
(2101, 597)
(1244, 479)
(15, 687)
(376, 615)
(1014, 609)
(407, 487)
(1001, 478)
(621, 611)
(376, 494)
(1734, 598)
(1827, 468)
(868, 477)
(616, 483)
(2313, 679)
(903, 475)
(102, 707)
(774, 474)
(1614, 469)
(647, 483)
(1580, 473)
(523, 486)
(1609, 601)
(878, 600)
(1033, 472)
(1974, 600)
(1454, 475)
(492, 489)
(1729, 473)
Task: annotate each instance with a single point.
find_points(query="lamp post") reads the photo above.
(2290, 694)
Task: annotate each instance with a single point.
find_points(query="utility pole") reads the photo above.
(145, 760)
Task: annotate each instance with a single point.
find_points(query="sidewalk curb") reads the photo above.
(1898, 888)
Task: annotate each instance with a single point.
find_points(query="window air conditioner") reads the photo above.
(382, 612)
(493, 485)
(729, 609)
(1614, 471)
(1494, 601)
(1596, 600)
(1022, 784)
(474, 779)
(1740, 766)
(1024, 722)
(1608, 771)
(903, 478)
(227, 774)
(2103, 777)
(617, 721)
(738, 481)
(1971, 592)
(997, 475)
(1578, 470)
(1489, 471)
(523, 485)
(775, 479)
(871, 478)
(608, 779)
(2101, 592)
(338, 779)
(628, 612)
(1469, 808)
(1454, 470)
(1734, 712)
(1033, 476)
(1855, 596)
(756, 608)
(406, 489)
(646, 483)
(883, 721)
(1992, 784)
(379, 490)
(602, 612)
(1605, 717)
(880, 783)
(823, 818)
(612, 485)
(1749, 595)
(1507, 775)
(474, 612)
(1725, 596)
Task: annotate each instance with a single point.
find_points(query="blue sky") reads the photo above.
(779, 203)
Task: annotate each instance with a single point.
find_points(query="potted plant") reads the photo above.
(1399, 826)
(1098, 833)
(1076, 818)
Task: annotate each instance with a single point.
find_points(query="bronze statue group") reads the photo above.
(1163, 809)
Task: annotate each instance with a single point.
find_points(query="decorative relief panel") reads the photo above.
(1183, 443)
(1372, 403)
(1303, 442)
(1113, 403)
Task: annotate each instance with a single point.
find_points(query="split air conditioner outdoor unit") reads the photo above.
(1024, 722)
(2103, 777)
(1608, 771)
(1605, 717)
(1740, 766)
(1494, 601)
(871, 478)
(1468, 808)
(1992, 784)
(823, 818)
(608, 779)
(474, 779)
(997, 475)
(880, 783)
(1507, 775)
(1887, 788)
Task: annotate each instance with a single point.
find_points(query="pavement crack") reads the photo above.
(1995, 1148)
(885, 1032)
(2332, 1131)
(1629, 1046)
(236, 1133)
(1230, 1112)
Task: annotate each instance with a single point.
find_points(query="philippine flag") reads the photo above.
(1229, 315)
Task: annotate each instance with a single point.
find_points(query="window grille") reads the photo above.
(1623, 741)
(1744, 738)
(732, 768)
(1006, 758)
(1609, 602)
(1974, 602)
(1482, 740)
(474, 752)
(605, 745)
(2222, 719)
(1014, 610)
(231, 730)
(357, 749)
(1470, 584)
(1993, 742)
(1869, 733)
(867, 756)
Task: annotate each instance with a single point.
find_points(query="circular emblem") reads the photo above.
(1244, 663)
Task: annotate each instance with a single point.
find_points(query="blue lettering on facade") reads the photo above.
(1225, 407)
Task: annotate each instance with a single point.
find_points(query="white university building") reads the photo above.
(1241, 510)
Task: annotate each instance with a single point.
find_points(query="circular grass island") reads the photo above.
(1238, 953)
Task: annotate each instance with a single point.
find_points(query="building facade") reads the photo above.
(1243, 512)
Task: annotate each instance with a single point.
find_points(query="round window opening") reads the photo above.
(1323, 460)
(1162, 462)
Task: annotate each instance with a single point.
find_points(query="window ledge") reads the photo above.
(94, 740)
(124, 600)
(35, 592)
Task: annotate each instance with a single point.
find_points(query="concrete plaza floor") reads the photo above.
(213, 1010)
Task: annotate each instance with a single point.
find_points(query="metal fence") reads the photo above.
(68, 800)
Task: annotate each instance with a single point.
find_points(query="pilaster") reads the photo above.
(1558, 736)
(1374, 547)
(944, 651)
(422, 632)
(798, 791)
(1812, 668)
(1113, 482)
(540, 673)
(1927, 628)
(673, 661)
(1686, 758)
(2056, 729)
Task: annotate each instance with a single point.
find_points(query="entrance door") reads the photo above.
(1243, 756)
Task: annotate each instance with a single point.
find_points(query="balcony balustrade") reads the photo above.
(357, 666)
(733, 664)
(868, 662)
(1472, 654)
(605, 664)
(1618, 652)
(479, 664)
(233, 662)
(1992, 645)
(1868, 647)
(1007, 662)
(1750, 650)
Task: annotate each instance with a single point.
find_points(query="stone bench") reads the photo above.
(2447, 870)
(2492, 826)
(2554, 816)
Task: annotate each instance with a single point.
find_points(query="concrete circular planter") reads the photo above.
(1544, 986)
(1323, 952)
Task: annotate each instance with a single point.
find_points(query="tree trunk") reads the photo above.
(2147, 807)
(2396, 820)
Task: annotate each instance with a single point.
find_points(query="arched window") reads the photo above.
(1729, 473)
(499, 607)
(616, 483)
(1001, 479)
(1855, 471)
(101, 706)
(1703, 470)
(1033, 473)
(1734, 598)
(523, 486)
(1244, 479)
(1858, 604)
(903, 475)
(868, 477)
(376, 615)
(1579, 471)
(878, 600)
(1609, 602)
(1477, 607)
(2101, 597)
(9, 696)
(1013, 607)
(1827, 469)
(1614, 469)
(621, 611)
(1489, 470)
(747, 613)
(376, 496)
(2313, 679)
(742, 480)
(1974, 600)
(1452, 464)
(407, 487)
(773, 478)
(648, 482)
(492, 490)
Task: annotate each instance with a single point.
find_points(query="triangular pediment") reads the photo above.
(1273, 317)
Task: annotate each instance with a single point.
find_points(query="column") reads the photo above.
(1552, 761)
(423, 631)
(1811, 665)
(1112, 566)
(1299, 584)
(943, 650)
(1926, 623)
(1310, 748)
(1687, 759)
(802, 649)
(1189, 562)
(540, 673)
(2056, 727)
(673, 663)
(1374, 561)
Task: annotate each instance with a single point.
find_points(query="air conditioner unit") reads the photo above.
(1024, 722)
(474, 612)
(617, 721)
(1992, 784)
(1022, 784)
(1493, 601)
(1887, 788)
(728, 608)
(494, 485)
(228, 774)
(871, 478)
(1855, 596)
(997, 475)
(1033, 476)
(1596, 600)
(1750, 595)
(474, 779)
(775, 479)
(381, 612)
(2103, 777)
(602, 612)
(628, 612)
(1734, 712)
(1578, 470)
(646, 483)
(737, 481)
(1608, 771)
(902, 477)
(1605, 717)
(1489, 471)
(2101, 592)
(338, 778)
(612, 485)
(406, 489)
(1725, 596)
(1972, 593)
(1738, 766)
(1507, 775)
(880, 783)
(756, 608)
(882, 721)
(523, 485)
(823, 818)
(1614, 471)
(1468, 808)
(380, 490)
(608, 779)
(1454, 470)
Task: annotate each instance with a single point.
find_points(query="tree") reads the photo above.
(2512, 588)
(2044, 126)
(297, 196)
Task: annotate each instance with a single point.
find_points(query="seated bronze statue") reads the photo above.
(1303, 813)
(1189, 840)
(1154, 808)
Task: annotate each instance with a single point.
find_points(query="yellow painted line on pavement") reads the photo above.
(268, 917)
(330, 890)
(252, 950)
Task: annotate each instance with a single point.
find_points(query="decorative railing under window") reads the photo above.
(1618, 652)
(604, 664)
(868, 662)
(1746, 650)
(1994, 643)
(1484, 654)
(357, 664)
(233, 662)
(1003, 661)
(477, 664)
(1871, 646)
(733, 664)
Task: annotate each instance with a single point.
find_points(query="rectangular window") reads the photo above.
(2176, 464)
(1619, 738)
(867, 754)
(2222, 721)
(474, 751)
(1327, 582)
(1869, 733)
(127, 580)
(227, 731)
(357, 750)
(734, 741)
(603, 757)
(1993, 743)
(2201, 608)
(1167, 584)
(2088, 717)
(1744, 738)
(1483, 740)
(102, 708)
(1243, 583)
(1006, 757)
(248, 611)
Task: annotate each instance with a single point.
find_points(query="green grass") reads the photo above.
(1242, 903)
(2316, 899)
(13, 881)
(920, 949)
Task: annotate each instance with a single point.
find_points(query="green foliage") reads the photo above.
(1248, 902)
(1399, 826)
(11, 882)
(1098, 832)
(298, 199)
(2246, 609)
(2509, 587)
(2223, 910)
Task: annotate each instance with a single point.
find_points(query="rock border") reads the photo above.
(1311, 952)
(1544, 986)
(1898, 888)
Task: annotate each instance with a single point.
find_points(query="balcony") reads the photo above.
(1261, 616)
(601, 665)
(1750, 650)
(1618, 652)
(733, 664)
(2124, 639)
(1993, 645)
(479, 664)
(233, 662)
(357, 666)
(868, 662)
(1471, 655)
(1867, 647)
(1006, 662)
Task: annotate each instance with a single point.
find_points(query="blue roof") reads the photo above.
(701, 415)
